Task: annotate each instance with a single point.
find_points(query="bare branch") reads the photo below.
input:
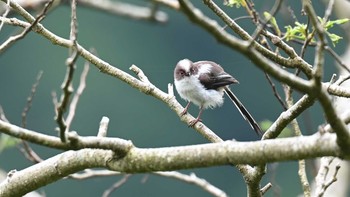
(9, 42)
(262, 27)
(322, 183)
(76, 97)
(102, 131)
(7, 10)
(126, 10)
(77, 142)
(254, 55)
(116, 185)
(67, 88)
(139, 74)
(274, 90)
(193, 179)
(2, 115)
(301, 163)
(30, 100)
(174, 4)
(296, 62)
(138, 160)
(338, 126)
(337, 58)
(286, 117)
(27, 150)
(88, 173)
(29, 153)
(264, 189)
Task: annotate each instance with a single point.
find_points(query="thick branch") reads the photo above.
(295, 62)
(139, 160)
(337, 124)
(51, 170)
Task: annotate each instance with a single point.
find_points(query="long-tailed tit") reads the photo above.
(204, 83)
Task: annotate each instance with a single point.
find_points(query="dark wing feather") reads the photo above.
(217, 78)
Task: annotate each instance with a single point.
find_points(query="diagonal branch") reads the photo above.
(255, 56)
(9, 42)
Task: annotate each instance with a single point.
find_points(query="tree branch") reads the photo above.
(242, 46)
(139, 160)
(126, 10)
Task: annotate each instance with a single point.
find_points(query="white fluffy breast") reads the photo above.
(190, 89)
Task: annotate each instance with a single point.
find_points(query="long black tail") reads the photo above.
(244, 112)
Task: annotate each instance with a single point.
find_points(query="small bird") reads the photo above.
(204, 83)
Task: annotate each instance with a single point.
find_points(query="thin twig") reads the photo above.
(76, 97)
(193, 179)
(329, 10)
(274, 90)
(264, 189)
(2, 115)
(308, 39)
(116, 185)
(337, 58)
(322, 183)
(67, 88)
(28, 152)
(301, 163)
(89, 173)
(6, 12)
(262, 26)
(67, 85)
(10, 41)
(30, 100)
(102, 131)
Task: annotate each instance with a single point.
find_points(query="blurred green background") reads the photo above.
(155, 48)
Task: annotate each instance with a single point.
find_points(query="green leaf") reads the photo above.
(237, 3)
(272, 21)
(296, 32)
(330, 24)
(7, 141)
(334, 38)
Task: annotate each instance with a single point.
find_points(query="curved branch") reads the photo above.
(105, 67)
(51, 170)
(76, 142)
(255, 56)
(294, 62)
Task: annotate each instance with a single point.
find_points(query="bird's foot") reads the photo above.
(193, 122)
(183, 112)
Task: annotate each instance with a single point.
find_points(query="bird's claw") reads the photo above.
(183, 112)
(193, 122)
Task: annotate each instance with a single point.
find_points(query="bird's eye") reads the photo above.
(181, 72)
